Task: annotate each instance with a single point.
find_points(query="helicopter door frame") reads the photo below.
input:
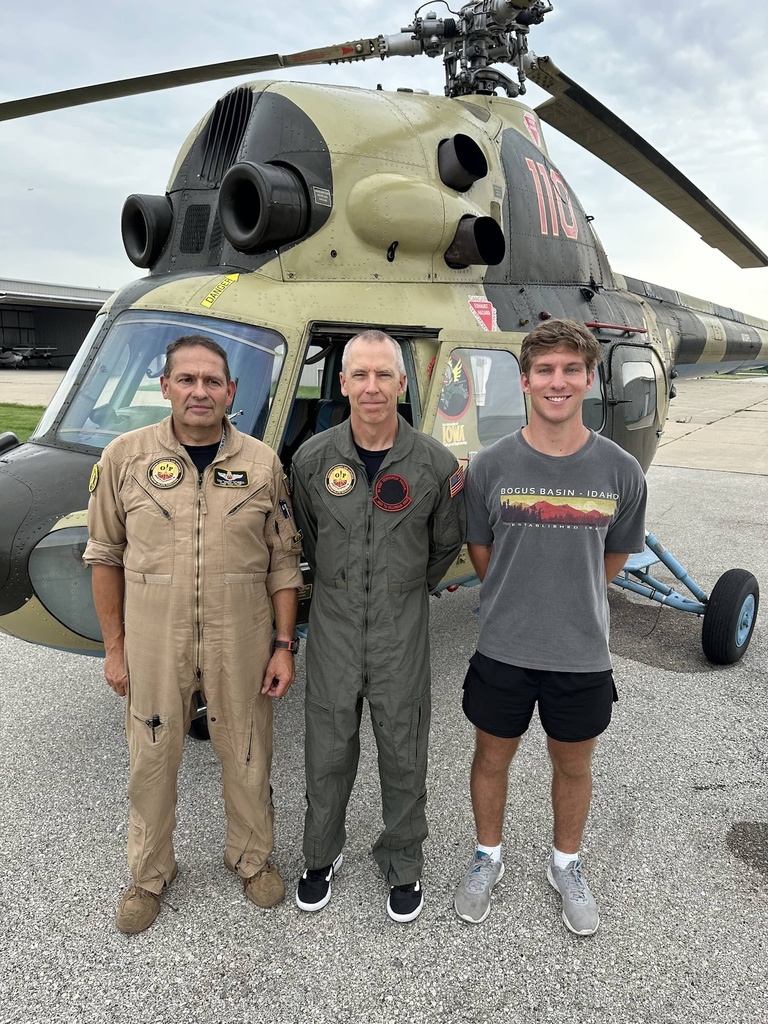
(330, 337)
(460, 429)
(617, 384)
(634, 412)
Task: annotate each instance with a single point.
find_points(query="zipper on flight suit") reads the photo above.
(151, 723)
(245, 501)
(201, 510)
(414, 505)
(151, 497)
(367, 576)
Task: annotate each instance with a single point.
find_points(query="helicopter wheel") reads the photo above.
(198, 729)
(730, 617)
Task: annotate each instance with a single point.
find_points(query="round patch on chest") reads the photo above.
(340, 479)
(391, 493)
(165, 473)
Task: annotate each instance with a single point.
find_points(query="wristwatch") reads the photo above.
(286, 645)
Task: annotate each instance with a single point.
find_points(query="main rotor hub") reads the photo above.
(485, 32)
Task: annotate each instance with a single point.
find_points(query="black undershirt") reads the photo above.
(371, 460)
(202, 455)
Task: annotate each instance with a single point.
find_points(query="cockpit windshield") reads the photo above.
(121, 388)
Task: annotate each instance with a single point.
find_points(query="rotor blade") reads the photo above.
(358, 50)
(585, 120)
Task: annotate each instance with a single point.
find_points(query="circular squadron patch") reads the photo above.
(391, 493)
(94, 479)
(340, 479)
(165, 473)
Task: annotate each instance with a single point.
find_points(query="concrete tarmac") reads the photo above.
(29, 387)
(676, 849)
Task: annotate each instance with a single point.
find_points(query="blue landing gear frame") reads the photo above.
(729, 612)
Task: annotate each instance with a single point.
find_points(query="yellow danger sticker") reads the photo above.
(220, 288)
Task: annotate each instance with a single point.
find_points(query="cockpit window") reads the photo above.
(121, 389)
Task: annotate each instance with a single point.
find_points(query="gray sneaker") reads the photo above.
(473, 896)
(579, 908)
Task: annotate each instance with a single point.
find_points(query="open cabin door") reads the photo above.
(474, 395)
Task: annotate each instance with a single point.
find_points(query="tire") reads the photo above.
(730, 617)
(198, 729)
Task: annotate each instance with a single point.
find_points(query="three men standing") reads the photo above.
(382, 516)
(553, 512)
(191, 535)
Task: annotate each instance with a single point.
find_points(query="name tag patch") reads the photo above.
(230, 478)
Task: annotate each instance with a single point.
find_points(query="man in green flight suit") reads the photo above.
(382, 514)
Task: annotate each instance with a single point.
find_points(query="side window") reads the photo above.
(311, 379)
(480, 401)
(639, 382)
(593, 409)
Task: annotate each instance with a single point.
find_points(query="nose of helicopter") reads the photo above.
(17, 502)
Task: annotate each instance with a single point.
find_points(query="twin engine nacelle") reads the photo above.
(263, 206)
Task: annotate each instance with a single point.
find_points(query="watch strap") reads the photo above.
(286, 645)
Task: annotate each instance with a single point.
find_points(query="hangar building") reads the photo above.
(46, 323)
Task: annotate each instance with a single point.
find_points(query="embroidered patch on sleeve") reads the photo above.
(457, 481)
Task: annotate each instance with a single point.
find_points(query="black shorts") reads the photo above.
(573, 706)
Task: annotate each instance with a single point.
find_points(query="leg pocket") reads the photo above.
(419, 738)
(332, 743)
(149, 738)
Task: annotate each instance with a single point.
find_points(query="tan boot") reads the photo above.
(138, 908)
(266, 888)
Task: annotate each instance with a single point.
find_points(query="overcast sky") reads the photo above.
(690, 76)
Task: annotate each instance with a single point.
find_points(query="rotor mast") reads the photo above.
(485, 32)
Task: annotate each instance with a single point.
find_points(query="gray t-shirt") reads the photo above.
(544, 602)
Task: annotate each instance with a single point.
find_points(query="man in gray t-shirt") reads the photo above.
(553, 512)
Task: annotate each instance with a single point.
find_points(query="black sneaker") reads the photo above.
(314, 889)
(405, 902)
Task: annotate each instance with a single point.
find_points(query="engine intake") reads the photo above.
(262, 206)
(145, 225)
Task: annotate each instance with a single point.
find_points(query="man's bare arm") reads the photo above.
(108, 584)
(614, 563)
(281, 669)
(480, 557)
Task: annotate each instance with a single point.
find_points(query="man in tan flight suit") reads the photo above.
(190, 535)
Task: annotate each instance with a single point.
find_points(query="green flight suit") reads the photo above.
(376, 551)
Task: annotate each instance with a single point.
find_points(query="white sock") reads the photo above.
(562, 860)
(494, 852)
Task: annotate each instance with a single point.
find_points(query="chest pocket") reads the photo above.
(150, 525)
(245, 520)
(408, 541)
(336, 534)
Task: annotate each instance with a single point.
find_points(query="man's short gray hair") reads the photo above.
(374, 336)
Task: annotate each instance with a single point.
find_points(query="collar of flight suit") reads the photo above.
(403, 446)
(168, 439)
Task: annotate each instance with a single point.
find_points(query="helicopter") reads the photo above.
(298, 214)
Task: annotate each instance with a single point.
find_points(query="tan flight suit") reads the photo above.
(201, 560)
